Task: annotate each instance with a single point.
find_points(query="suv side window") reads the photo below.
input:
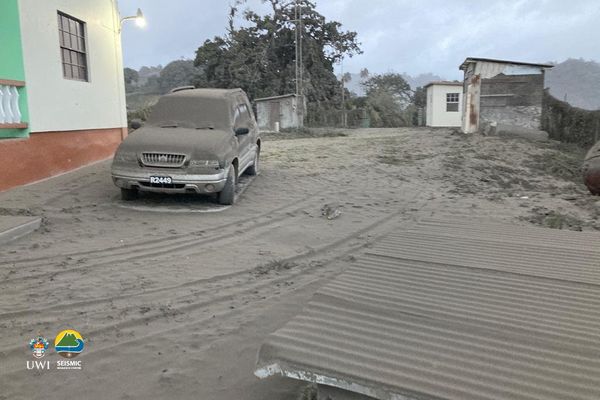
(241, 116)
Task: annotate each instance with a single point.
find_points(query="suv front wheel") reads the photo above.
(253, 169)
(129, 194)
(227, 195)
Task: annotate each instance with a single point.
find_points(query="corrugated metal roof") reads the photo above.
(455, 310)
(494, 60)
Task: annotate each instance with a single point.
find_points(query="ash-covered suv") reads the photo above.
(195, 141)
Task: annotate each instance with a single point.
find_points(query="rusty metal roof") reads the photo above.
(454, 310)
(469, 60)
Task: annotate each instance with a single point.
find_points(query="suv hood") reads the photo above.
(195, 143)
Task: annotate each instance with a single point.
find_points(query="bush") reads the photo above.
(570, 124)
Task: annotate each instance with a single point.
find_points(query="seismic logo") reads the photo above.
(68, 343)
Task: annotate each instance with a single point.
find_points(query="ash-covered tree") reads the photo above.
(389, 98)
(177, 73)
(131, 75)
(131, 78)
(259, 56)
(392, 84)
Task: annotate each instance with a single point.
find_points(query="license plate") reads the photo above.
(161, 180)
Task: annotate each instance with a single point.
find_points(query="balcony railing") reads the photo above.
(10, 113)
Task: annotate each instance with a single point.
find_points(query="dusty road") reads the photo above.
(174, 301)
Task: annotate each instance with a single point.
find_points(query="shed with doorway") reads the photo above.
(282, 111)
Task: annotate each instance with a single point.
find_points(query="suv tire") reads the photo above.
(254, 168)
(129, 194)
(227, 195)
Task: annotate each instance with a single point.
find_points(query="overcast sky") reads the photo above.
(413, 36)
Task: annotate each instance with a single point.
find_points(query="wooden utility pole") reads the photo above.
(344, 119)
(299, 63)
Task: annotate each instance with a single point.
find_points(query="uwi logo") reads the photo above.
(38, 347)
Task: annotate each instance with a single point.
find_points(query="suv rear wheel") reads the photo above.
(227, 195)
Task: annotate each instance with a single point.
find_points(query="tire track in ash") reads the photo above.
(58, 291)
(128, 247)
(146, 251)
(62, 307)
(189, 304)
(44, 290)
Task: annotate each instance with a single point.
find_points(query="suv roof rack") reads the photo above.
(179, 89)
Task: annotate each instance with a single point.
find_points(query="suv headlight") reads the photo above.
(205, 163)
(125, 156)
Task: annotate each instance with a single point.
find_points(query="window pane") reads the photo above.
(81, 44)
(83, 73)
(74, 42)
(452, 107)
(81, 59)
(65, 23)
(75, 72)
(66, 39)
(72, 26)
(65, 55)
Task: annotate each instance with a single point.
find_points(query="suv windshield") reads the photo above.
(191, 112)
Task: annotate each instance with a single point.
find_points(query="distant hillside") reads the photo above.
(355, 86)
(577, 82)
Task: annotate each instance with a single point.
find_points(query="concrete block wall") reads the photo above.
(512, 100)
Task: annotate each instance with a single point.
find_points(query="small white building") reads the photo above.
(444, 104)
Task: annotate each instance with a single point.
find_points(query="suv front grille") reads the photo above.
(164, 160)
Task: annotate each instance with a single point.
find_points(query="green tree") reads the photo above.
(259, 56)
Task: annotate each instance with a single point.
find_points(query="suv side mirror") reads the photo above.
(136, 124)
(242, 131)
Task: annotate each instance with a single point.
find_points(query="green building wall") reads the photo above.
(11, 59)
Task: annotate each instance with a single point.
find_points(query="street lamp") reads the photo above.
(139, 18)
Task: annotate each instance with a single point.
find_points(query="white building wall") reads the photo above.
(429, 107)
(437, 116)
(59, 104)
